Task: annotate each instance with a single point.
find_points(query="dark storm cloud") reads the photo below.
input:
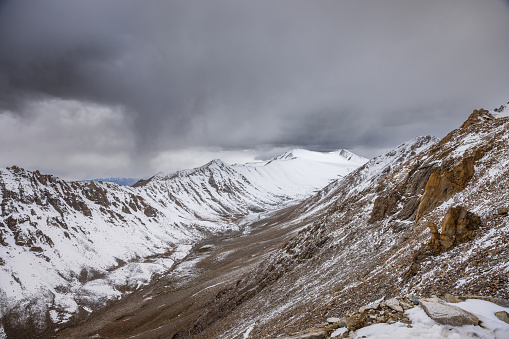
(249, 74)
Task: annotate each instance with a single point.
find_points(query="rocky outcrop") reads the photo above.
(444, 183)
(96, 194)
(384, 206)
(389, 311)
(478, 115)
(454, 175)
(446, 314)
(395, 310)
(458, 226)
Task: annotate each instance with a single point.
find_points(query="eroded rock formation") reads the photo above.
(458, 226)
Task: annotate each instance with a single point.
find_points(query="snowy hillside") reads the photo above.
(299, 172)
(428, 218)
(70, 247)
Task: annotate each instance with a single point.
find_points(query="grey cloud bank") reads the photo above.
(106, 88)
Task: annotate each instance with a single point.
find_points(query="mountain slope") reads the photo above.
(434, 223)
(298, 172)
(67, 248)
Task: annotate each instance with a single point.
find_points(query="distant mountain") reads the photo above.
(69, 247)
(118, 181)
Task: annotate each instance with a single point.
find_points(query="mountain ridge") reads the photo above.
(45, 219)
(381, 240)
(427, 218)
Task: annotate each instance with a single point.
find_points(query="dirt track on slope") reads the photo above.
(173, 301)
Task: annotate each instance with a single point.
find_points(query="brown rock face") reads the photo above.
(383, 206)
(477, 116)
(443, 184)
(458, 226)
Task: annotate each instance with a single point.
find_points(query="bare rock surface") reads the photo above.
(333, 320)
(502, 315)
(458, 226)
(446, 314)
(394, 305)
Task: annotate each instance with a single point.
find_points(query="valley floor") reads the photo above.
(173, 301)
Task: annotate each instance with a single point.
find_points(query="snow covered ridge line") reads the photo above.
(86, 243)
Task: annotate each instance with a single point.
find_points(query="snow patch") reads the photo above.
(424, 327)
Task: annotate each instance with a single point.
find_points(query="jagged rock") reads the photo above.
(435, 235)
(503, 211)
(444, 183)
(96, 194)
(150, 211)
(446, 314)
(373, 306)
(477, 116)
(458, 226)
(393, 304)
(502, 315)
(342, 322)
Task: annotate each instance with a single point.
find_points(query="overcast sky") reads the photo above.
(97, 88)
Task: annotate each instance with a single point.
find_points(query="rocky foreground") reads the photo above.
(419, 317)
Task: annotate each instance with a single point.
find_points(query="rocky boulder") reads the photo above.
(503, 315)
(394, 305)
(446, 314)
(458, 226)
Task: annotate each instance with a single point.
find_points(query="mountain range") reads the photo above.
(257, 250)
(70, 247)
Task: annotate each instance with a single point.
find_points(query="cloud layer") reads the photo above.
(138, 81)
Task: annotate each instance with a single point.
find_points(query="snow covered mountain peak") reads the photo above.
(213, 165)
(501, 112)
(338, 156)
